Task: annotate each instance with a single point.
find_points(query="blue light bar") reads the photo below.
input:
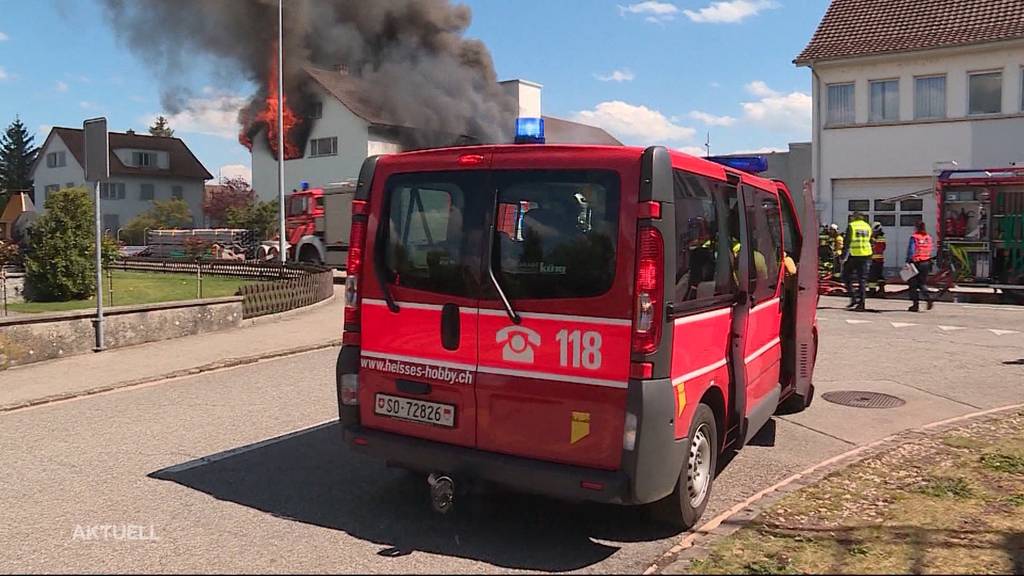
(530, 131)
(750, 164)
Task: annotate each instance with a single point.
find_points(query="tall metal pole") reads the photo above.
(280, 132)
(100, 346)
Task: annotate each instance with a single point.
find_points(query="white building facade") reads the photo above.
(885, 123)
(143, 169)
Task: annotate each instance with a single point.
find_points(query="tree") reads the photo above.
(17, 153)
(60, 260)
(232, 193)
(161, 127)
(164, 214)
(260, 217)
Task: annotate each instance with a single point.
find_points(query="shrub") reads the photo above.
(260, 217)
(165, 214)
(59, 261)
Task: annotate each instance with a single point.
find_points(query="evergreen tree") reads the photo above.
(17, 153)
(161, 128)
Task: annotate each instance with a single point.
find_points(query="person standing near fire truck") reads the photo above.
(919, 252)
(856, 255)
(876, 276)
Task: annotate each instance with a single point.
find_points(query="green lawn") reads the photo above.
(143, 288)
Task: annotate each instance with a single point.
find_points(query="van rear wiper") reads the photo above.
(378, 269)
(512, 314)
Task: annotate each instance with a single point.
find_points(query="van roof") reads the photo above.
(680, 160)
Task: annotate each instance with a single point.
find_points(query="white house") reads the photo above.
(347, 128)
(143, 168)
(903, 88)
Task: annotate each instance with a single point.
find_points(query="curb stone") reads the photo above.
(218, 365)
(697, 544)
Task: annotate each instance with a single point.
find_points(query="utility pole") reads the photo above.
(707, 145)
(280, 132)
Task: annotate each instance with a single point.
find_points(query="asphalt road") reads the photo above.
(242, 470)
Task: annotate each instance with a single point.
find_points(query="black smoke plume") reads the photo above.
(410, 55)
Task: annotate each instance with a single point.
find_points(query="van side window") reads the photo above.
(703, 264)
(790, 236)
(766, 243)
(427, 245)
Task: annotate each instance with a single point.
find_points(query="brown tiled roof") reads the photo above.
(853, 28)
(558, 131)
(183, 164)
(353, 94)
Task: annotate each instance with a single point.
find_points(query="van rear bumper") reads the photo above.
(520, 474)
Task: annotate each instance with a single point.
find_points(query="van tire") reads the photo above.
(683, 508)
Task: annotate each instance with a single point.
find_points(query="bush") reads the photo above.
(166, 214)
(260, 217)
(10, 255)
(59, 262)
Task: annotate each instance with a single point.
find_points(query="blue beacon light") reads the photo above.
(530, 131)
(749, 164)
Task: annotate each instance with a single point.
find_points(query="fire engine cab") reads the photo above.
(590, 323)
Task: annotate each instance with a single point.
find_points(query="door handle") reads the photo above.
(450, 335)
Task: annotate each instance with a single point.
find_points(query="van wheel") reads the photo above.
(685, 505)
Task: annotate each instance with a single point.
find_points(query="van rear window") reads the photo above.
(556, 232)
(434, 231)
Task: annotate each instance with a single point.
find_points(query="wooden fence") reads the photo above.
(279, 287)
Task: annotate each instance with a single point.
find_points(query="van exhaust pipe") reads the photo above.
(442, 493)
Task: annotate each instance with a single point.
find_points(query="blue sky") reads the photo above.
(651, 72)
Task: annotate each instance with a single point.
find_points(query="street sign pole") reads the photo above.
(280, 133)
(97, 170)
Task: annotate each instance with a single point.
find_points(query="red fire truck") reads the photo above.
(317, 221)
(591, 323)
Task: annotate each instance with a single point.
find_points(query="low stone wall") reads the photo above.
(35, 337)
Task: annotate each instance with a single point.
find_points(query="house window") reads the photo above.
(930, 97)
(885, 100)
(146, 192)
(323, 147)
(985, 93)
(858, 205)
(316, 110)
(47, 191)
(69, 184)
(883, 206)
(840, 104)
(177, 192)
(111, 191)
(916, 205)
(888, 220)
(56, 160)
(144, 159)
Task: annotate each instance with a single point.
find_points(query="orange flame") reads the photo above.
(268, 118)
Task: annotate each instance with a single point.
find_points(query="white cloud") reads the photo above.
(694, 150)
(235, 171)
(217, 116)
(711, 119)
(61, 86)
(790, 113)
(637, 123)
(729, 11)
(4, 37)
(653, 10)
(624, 75)
(43, 131)
(86, 105)
(3, 74)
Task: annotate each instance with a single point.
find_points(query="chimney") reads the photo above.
(130, 132)
(526, 95)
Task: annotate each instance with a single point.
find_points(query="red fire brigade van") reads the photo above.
(591, 323)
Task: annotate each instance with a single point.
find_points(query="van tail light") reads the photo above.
(650, 290)
(350, 389)
(356, 247)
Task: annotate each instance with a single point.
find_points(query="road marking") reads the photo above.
(1002, 332)
(204, 460)
(902, 324)
(951, 328)
(858, 321)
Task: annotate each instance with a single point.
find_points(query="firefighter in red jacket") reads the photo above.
(876, 275)
(919, 252)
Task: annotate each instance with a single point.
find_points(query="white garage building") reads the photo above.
(901, 90)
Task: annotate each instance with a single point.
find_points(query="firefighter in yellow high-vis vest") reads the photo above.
(857, 256)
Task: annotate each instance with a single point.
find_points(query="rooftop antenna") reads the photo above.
(707, 145)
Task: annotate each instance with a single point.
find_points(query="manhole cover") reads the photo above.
(863, 399)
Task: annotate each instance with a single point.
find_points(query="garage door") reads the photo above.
(898, 218)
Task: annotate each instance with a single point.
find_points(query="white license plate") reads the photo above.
(415, 410)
